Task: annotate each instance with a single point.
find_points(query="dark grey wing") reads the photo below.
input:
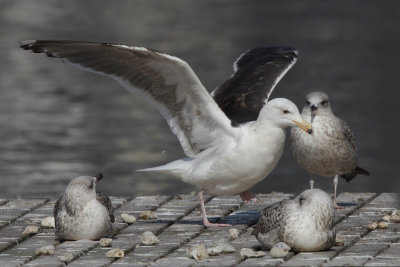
(57, 207)
(271, 217)
(106, 202)
(348, 134)
(256, 72)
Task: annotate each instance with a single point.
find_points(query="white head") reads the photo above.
(283, 113)
(317, 103)
(315, 199)
(83, 187)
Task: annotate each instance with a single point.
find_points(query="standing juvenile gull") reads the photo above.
(331, 150)
(305, 223)
(81, 213)
(223, 157)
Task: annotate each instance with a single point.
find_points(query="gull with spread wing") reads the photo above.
(223, 156)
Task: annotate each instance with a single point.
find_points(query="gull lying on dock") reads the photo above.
(81, 213)
(331, 150)
(305, 223)
(223, 157)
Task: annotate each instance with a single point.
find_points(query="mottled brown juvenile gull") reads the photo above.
(223, 157)
(81, 213)
(331, 149)
(305, 223)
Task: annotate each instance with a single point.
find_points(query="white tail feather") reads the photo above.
(177, 168)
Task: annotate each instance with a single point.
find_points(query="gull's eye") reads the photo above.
(285, 111)
(301, 199)
(91, 185)
(307, 103)
(324, 103)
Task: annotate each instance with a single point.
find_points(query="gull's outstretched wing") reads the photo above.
(256, 72)
(166, 82)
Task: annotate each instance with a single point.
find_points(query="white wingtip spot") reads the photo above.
(27, 42)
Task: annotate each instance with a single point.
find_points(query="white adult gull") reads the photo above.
(223, 157)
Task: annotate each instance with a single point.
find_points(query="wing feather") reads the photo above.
(106, 202)
(256, 73)
(166, 82)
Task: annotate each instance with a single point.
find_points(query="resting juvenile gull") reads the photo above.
(305, 223)
(81, 213)
(331, 150)
(223, 157)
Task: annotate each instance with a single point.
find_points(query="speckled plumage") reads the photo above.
(81, 213)
(331, 149)
(305, 223)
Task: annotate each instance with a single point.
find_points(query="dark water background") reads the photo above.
(58, 122)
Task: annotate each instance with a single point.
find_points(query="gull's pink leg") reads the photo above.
(249, 197)
(206, 223)
(335, 183)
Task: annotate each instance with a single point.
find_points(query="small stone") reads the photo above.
(148, 215)
(227, 247)
(30, 230)
(372, 226)
(45, 250)
(250, 253)
(48, 222)
(395, 216)
(221, 247)
(128, 218)
(148, 239)
(386, 218)
(214, 251)
(193, 194)
(198, 252)
(115, 253)
(234, 233)
(66, 257)
(383, 225)
(105, 242)
(280, 250)
(339, 240)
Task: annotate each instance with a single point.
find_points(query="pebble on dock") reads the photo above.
(339, 241)
(148, 215)
(105, 242)
(128, 218)
(48, 222)
(386, 218)
(45, 250)
(280, 250)
(395, 216)
(30, 230)
(214, 251)
(234, 233)
(66, 257)
(115, 253)
(250, 253)
(221, 248)
(198, 252)
(372, 226)
(383, 225)
(149, 239)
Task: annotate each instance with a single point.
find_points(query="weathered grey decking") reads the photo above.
(178, 227)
